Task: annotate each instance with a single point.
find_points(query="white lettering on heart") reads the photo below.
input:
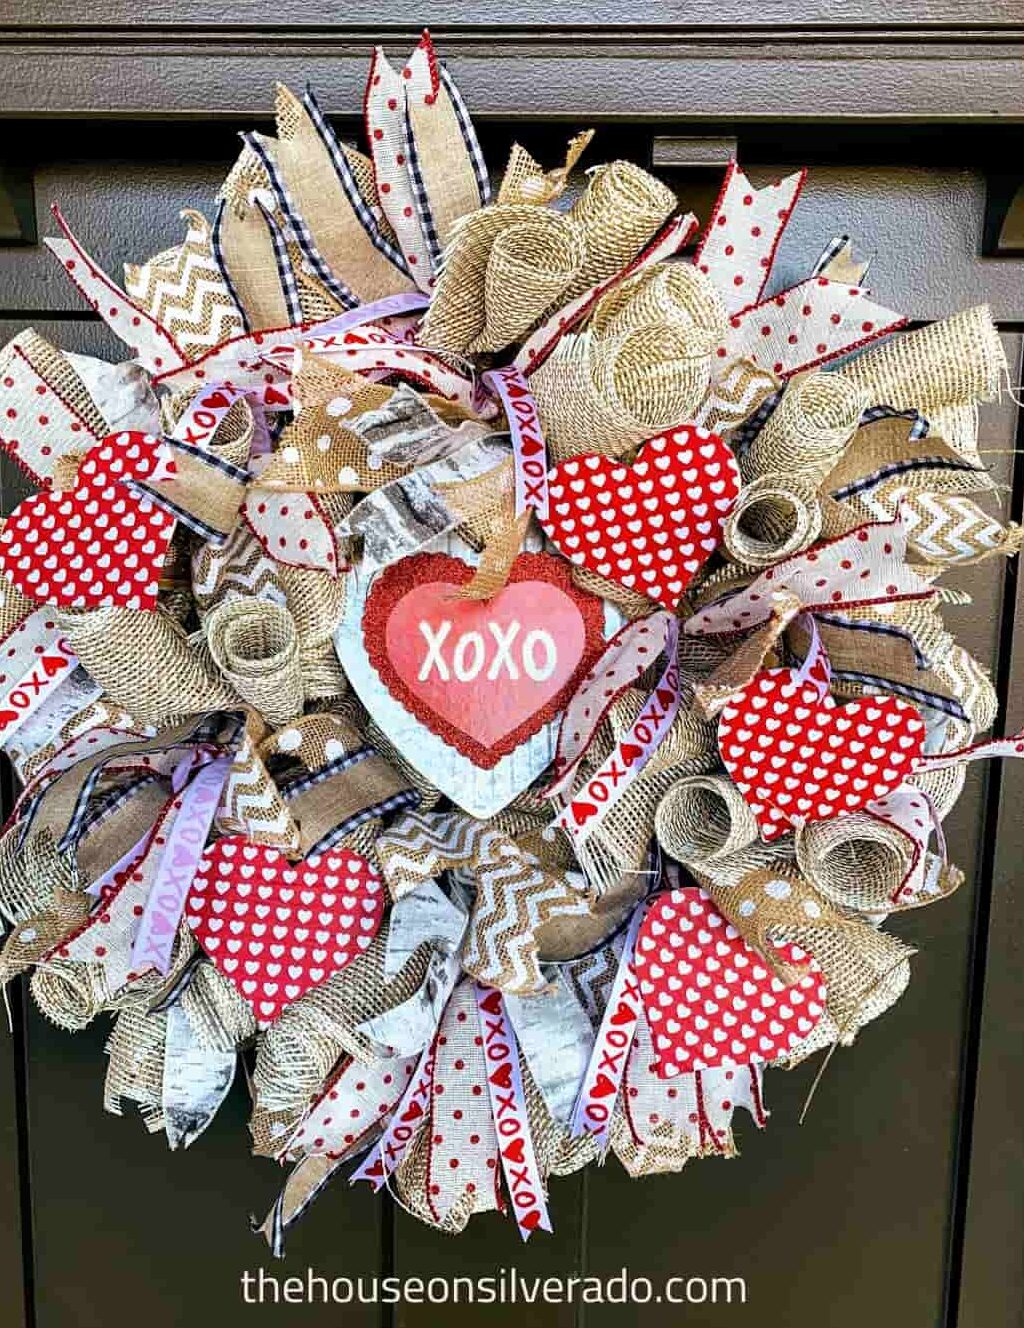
(538, 653)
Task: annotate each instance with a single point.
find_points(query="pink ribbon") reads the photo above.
(599, 1092)
(528, 446)
(508, 1107)
(186, 840)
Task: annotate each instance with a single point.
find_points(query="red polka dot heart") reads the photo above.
(275, 928)
(651, 526)
(98, 545)
(709, 998)
(796, 756)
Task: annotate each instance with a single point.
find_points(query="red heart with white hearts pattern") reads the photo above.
(710, 999)
(276, 928)
(98, 545)
(796, 756)
(651, 526)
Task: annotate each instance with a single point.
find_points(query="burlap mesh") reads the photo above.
(529, 266)
(255, 644)
(118, 647)
(298, 1051)
(619, 211)
(458, 315)
(955, 362)
(703, 818)
(774, 518)
(69, 994)
(136, 1067)
(606, 394)
(663, 293)
(807, 433)
(857, 862)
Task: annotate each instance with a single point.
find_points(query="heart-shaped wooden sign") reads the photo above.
(796, 756)
(277, 928)
(457, 750)
(484, 675)
(97, 546)
(651, 526)
(710, 999)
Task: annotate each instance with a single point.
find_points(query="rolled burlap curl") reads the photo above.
(774, 518)
(483, 305)
(255, 644)
(530, 265)
(666, 292)
(147, 664)
(607, 394)
(809, 430)
(955, 362)
(619, 211)
(856, 862)
(704, 818)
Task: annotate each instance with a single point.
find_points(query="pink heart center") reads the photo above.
(487, 667)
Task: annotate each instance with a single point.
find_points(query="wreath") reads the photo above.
(480, 659)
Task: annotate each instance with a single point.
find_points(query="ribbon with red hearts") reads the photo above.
(863, 568)
(599, 1092)
(529, 450)
(587, 808)
(409, 1117)
(35, 686)
(508, 1106)
(205, 414)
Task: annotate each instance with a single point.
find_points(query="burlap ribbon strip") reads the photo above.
(256, 647)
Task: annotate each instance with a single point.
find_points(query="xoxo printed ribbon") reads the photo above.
(35, 687)
(204, 416)
(586, 809)
(599, 1092)
(528, 446)
(409, 1117)
(185, 844)
(508, 1106)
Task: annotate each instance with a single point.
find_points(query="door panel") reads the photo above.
(858, 1209)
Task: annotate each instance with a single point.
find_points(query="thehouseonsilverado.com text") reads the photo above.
(507, 1286)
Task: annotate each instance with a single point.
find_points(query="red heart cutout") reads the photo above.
(515, 1151)
(603, 1086)
(651, 526)
(275, 928)
(485, 675)
(710, 999)
(98, 545)
(796, 756)
(623, 1015)
(413, 1111)
(502, 1076)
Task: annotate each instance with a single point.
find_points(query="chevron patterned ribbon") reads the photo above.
(514, 899)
